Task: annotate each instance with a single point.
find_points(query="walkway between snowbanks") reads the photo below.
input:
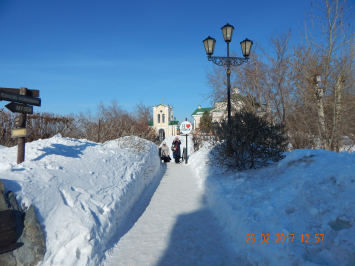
(175, 229)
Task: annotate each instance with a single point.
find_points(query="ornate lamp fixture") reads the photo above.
(228, 61)
(209, 45)
(246, 47)
(227, 31)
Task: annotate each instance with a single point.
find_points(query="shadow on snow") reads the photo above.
(64, 150)
(198, 239)
(138, 208)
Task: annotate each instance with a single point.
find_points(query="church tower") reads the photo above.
(163, 120)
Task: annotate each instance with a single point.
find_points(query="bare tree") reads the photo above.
(246, 80)
(327, 51)
(44, 125)
(217, 81)
(112, 121)
(143, 112)
(277, 78)
(316, 113)
(264, 79)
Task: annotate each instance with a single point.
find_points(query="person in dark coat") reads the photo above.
(176, 145)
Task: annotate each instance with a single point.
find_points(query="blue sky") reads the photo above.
(79, 53)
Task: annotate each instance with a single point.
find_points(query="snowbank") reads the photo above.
(81, 191)
(348, 145)
(308, 193)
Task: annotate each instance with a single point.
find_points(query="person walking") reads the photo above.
(165, 153)
(176, 145)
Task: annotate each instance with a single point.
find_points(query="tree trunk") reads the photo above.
(321, 120)
(336, 132)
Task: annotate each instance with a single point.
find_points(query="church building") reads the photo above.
(219, 111)
(164, 122)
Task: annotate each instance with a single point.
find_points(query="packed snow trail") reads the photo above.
(175, 229)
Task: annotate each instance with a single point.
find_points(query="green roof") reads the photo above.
(201, 110)
(150, 123)
(173, 123)
(233, 97)
(237, 97)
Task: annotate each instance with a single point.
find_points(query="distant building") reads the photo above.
(219, 111)
(164, 121)
(198, 113)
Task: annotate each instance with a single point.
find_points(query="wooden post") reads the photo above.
(98, 132)
(21, 141)
(186, 147)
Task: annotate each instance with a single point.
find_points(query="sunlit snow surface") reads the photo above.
(309, 192)
(81, 191)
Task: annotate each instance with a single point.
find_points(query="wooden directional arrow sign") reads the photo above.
(21, 132)
(18, 121)
(32, 93)
(19, 108)
(13, 97)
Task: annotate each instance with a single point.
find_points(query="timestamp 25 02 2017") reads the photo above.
(288, 238)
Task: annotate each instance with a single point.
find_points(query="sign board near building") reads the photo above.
(185, 128)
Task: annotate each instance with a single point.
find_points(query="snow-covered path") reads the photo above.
(175, 229)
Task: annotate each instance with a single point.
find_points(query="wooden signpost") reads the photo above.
(18, 121)
(21, 132)
(13, 97)
(26, 98)
(31, 93)
(19, 108)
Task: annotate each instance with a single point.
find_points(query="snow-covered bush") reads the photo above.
(133, 144)
(249, 142)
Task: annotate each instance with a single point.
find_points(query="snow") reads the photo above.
(348, 145)
(81, 191)
(88, 196)
(308, 192)
(176, 228)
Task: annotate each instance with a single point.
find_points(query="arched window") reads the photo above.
(158, 118)
(163, 118)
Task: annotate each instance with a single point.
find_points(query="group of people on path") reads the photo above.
(165, 153)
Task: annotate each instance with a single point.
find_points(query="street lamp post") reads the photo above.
(228, 61)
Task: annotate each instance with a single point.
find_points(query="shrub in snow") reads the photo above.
(253, 141)
(205, 122)
(133, 143)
